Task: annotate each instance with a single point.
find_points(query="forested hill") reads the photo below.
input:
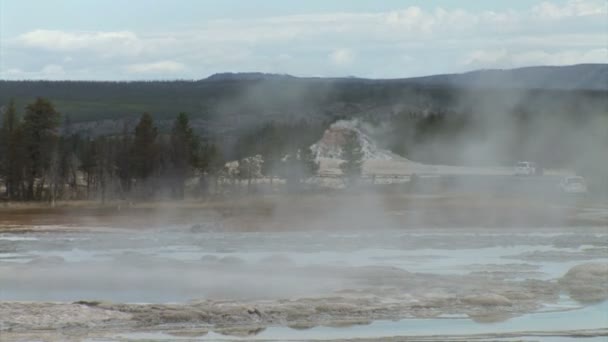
(574, 77)
(232, 101)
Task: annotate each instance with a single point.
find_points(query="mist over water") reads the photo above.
(176, 266)
(266, 206)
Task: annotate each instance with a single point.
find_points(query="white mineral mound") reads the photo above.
(379, 161)
(330, 145)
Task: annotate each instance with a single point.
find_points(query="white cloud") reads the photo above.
(507, 59)
(411, 19)
(49, 72)
(155, 67)
(491, 58)
(561, 57)
(70, 41)
(53, 70)
(364, 44)
(572, 8)
(14, 72)
(284, 57)
(342, 57)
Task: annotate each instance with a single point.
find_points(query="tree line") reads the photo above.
(42, 159)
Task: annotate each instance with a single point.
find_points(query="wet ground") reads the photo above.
(174, 284)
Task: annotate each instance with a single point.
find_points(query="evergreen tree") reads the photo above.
(123, 161)
(352, 154)
(145, 151)
(105, 169)
(297, 167)
(309, 162)
(250, 168)
(88, 164)
(273, 149)
(67, 158)
(211, 163)
(17, 157)
(290, 171)
(184, 153)
(40, 137)
(9, 150)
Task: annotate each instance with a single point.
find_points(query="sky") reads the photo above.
(192, 39)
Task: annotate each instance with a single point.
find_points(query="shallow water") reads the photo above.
(590, 317)
(175, 265)
(151, 254)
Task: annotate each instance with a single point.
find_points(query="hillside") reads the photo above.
(571, 77)
(232, 102)
(574, 77)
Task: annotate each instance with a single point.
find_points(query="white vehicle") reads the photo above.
(525, 168)
(573, 185)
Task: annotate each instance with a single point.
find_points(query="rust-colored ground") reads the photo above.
(311, 211)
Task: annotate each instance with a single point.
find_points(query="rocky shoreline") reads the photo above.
(377, 294)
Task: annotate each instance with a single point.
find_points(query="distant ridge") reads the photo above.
(228, 102)
(246, 76)
(571, 77)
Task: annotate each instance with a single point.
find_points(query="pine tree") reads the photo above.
(9, 149)
(67, 158)
(105, 167)
(352, 154)
(309, 162)
(123, 161)
(88, 163)
(145, 151)
(40, 137)
(184, 153)
(250, 168)
(290, 170)
(211, 163)
(298, 166)
(272, 150)
(17, 157)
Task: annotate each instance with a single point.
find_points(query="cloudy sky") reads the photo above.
(192, 39)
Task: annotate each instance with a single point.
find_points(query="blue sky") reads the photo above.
(191, 39)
